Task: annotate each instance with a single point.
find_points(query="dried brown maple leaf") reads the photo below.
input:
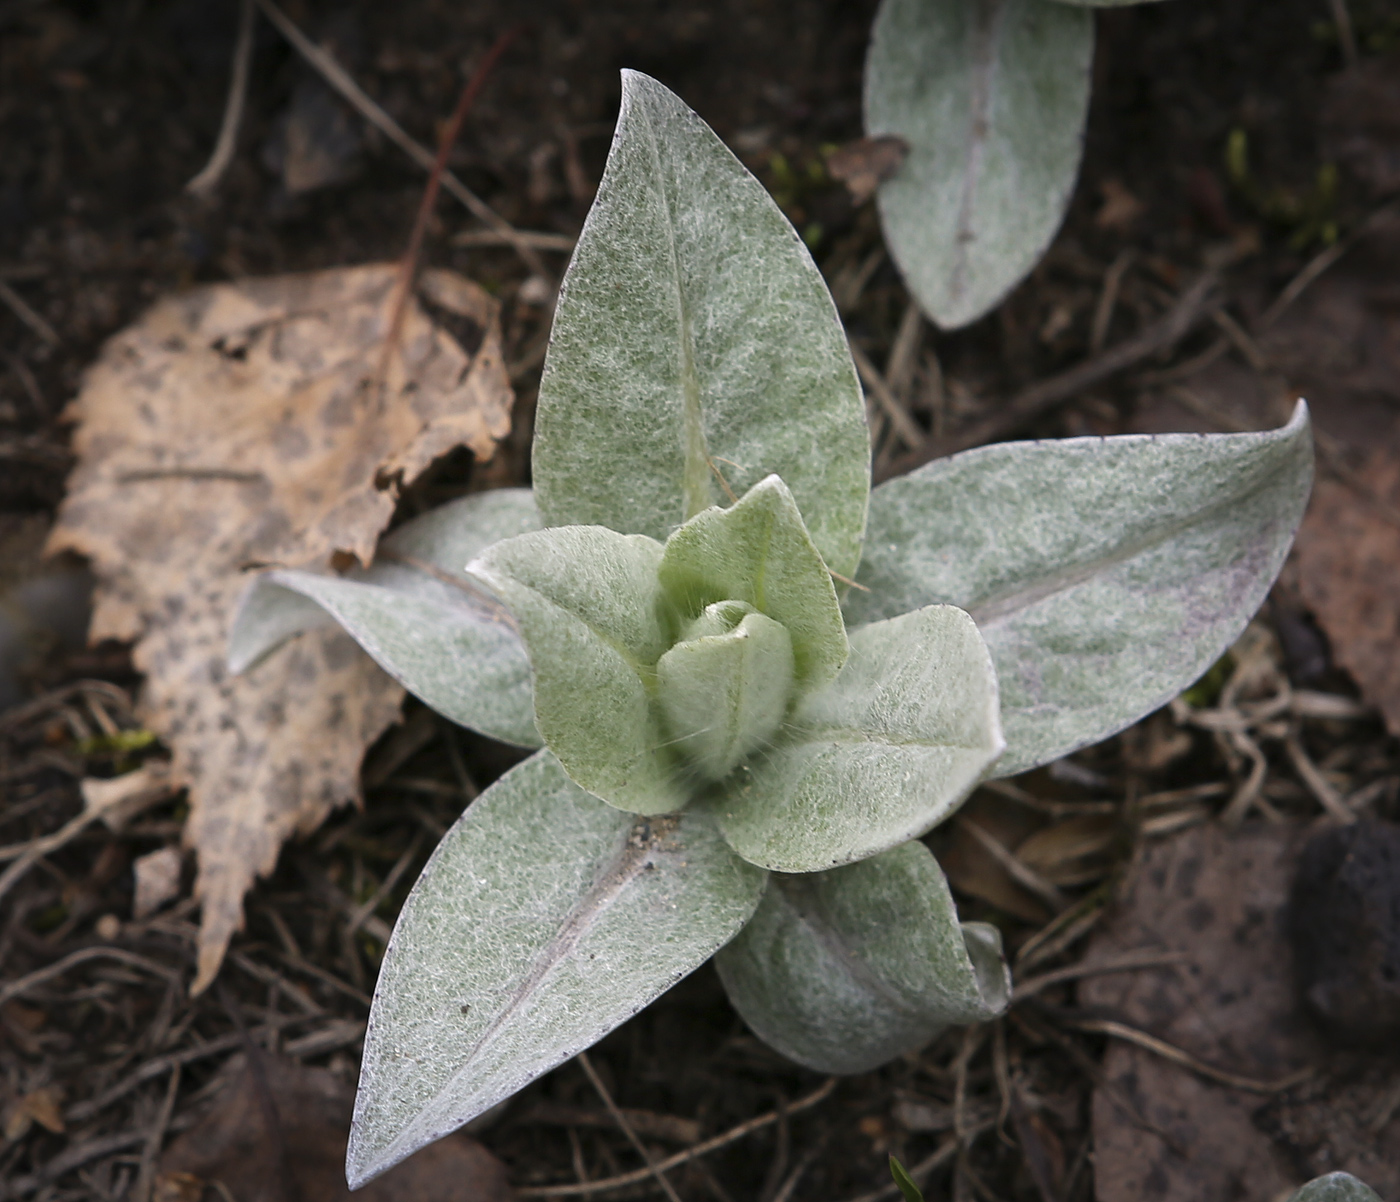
(239, 424)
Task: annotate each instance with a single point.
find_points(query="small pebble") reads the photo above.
(1344, 925)
(107, 927)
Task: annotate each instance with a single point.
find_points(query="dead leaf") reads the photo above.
(1072, 851)
(866, 163)
(1219, 898)
(120, 798)
(303, 1157)
(235, 425)
(1120, 208)
(43, 1106)
(1349, 556)
(972, 869)
(157, 881)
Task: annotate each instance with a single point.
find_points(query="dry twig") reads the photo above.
(203, 184)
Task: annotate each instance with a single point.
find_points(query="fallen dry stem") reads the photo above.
(586, 1063)
(1133, 962)
(408, 266)
(336, 75)
(1191, 308)
(580, 1188)
(203, 184)
(1176, 1055)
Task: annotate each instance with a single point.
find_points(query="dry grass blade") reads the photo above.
(904, 425)
(1318, 785)
(336, 75)
(203, 184)
(21, 309)
(82, 956)
(733, 1135)
(1020, 872)
(1167, 1051)
(145, 1176)
(586, 1063)
(1147, 959)
(1193, 306)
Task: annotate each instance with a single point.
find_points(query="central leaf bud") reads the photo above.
(724, 688)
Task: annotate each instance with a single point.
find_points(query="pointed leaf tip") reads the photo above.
(1106, 574)
(544, 919)
(692, 327)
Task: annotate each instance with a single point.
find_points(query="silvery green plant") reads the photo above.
(738, 749)
(991, 98)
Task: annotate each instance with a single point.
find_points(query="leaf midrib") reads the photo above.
(695, 470)
(1000, 607)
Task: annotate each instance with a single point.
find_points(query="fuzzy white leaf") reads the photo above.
(417, 613)
(544, 919)
(759, 551)
(879, 756)
(1106, 574)
(1335, 1187)
(593, 616)
(990, 95)
(694, 339)
(844, 970)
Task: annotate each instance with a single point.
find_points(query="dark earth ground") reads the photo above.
(106, 110)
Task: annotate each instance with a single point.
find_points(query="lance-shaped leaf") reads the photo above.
(415, 610)
(758, 551)
(543, 920)
(1106, 574)
(593, 618)
(725, 694)
(879, 756)
(844, 970)
(694, 341)
(1336, 1187)
(990, 95)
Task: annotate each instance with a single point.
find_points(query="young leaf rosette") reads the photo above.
(741, 746)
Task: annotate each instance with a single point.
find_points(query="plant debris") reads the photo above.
(241, 424)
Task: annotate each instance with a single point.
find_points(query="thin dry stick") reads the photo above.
(1320, 263)
(336, 75)
(377, 898)
(1020, 872)
(1193, 306)
(904, 353)
(535, 239)
(146, 1174)
(409, 264)
(21, 309)
(733, 1135)
(621, 1120)
(32, 853)
(1108, 298)
(1132, 962)
(206, 181)
(1170, 1052)
(1346, 32)
(82, 956)
(1318, 785)
(904, 425)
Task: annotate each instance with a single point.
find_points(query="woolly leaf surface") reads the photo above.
(990, 95)
(879, 756)
(1106, 574)
(844, 970)
(544, 919)
(694, 338)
